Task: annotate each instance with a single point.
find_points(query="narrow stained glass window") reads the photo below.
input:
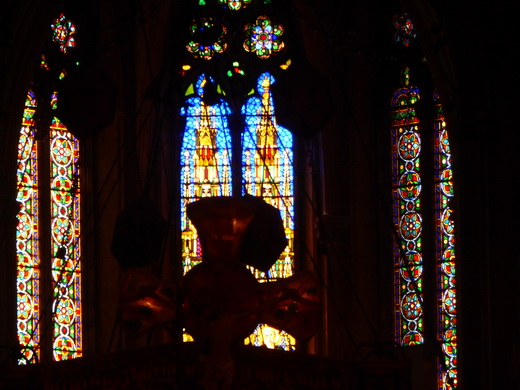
(446, 290)
(407, 219)
(65, 227)
(27, 239)
(406, 144)
(267, 167)
(264, 154)
(205, 160)
(56, 224)
(267, 172)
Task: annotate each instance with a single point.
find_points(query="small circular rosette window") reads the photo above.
(263, 37)
(63, 31)
(208, 38)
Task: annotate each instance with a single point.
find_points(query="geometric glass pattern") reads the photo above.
(267, 172)
(263, 38)
(235, 5)
(447, 320)
(63, 33)
(205, 160)
(406, 178)
(265, 151)
(66, 249)
(200, 45)
(55, 223)
(27, 239)
(404, 31)
(267, 168)
(271, 338)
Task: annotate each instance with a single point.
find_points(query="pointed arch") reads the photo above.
(205, 166)
(267, 167)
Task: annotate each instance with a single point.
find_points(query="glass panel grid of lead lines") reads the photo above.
(27, 239)
(65, 228)
(446, 289)
(406, 143)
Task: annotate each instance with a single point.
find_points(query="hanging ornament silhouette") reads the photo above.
(221, 302)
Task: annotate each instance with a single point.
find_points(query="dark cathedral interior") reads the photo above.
(128, 77)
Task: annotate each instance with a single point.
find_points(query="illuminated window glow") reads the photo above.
(205, 161)
(404, 31)
(63, 31)
(267, 167)
(235, 5)
(56, 223)
(65, 227)
(446, 290)
(263, 37)
(406, 144)
(27, 239)
(267, 172)
(199, 30)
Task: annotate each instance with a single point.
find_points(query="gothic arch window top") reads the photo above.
(49, 221)
(420, 145)
(206, 154)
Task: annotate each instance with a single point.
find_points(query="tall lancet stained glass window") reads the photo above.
(53, 224)
(263, 160)
(445, 256)
(267, 172)
(409, 137)
(205, 159)
(267, 167)
(406, 148)
(27, 238)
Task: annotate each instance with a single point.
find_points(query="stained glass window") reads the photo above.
(263, 164)
(263, 37)
(406, 148)
(65, 227)
(235, 5)
(205, 160)
(27, 238)
(201, 46)
(446, 290)
(407, 139)
(56, 223)
(63, 31)
(404, 31)
(267, 167)
(267, 172)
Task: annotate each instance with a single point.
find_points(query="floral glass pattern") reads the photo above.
(404, 31)
(406, 144)
(267, 172)
(63, 31)
(235, 5)
(208, 38)
(55, 223)
(446, 290)
(263, 37)
(65, 229)
(27, 238)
